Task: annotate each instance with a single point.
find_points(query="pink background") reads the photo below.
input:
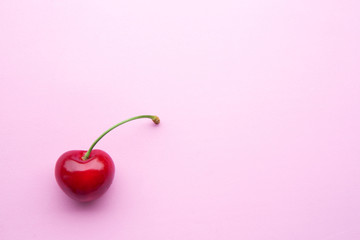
(259, 102)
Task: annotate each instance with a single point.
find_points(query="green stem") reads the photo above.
(155, 119)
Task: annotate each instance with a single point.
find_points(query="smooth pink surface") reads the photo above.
(259, 102)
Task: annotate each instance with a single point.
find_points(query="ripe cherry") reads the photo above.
(86, 175)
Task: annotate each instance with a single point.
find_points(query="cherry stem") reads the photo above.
(155, 119)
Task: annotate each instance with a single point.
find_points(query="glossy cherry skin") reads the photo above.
(84, 180)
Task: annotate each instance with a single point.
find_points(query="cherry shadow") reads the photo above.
(100, 204)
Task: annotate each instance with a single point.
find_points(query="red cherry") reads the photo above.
(86, 175)
(84, 180)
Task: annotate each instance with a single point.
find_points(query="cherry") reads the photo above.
(86, 175)
(84, 180)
